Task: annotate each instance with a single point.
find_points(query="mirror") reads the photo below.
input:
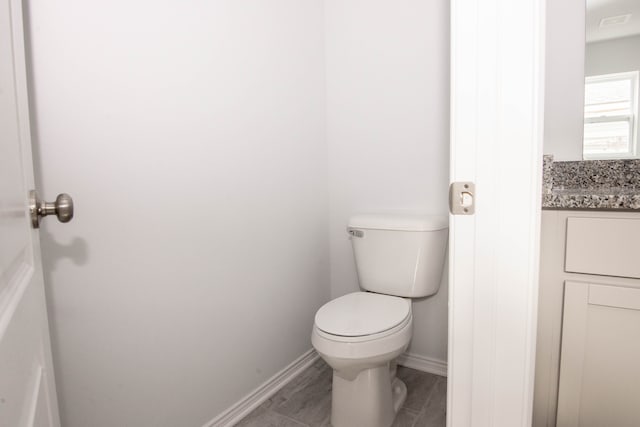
(612, 66)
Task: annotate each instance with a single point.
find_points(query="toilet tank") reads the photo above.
(399, 255)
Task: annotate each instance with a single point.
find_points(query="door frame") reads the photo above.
(497, 107)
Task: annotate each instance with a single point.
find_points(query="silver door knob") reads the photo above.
(62, 208)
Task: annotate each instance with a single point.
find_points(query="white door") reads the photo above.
(27, 388)
(497, 87)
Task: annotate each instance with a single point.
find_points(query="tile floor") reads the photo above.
(306, 401)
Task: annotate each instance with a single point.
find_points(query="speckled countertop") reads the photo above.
(591, 184)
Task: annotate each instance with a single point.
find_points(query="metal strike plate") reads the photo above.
(462, 198)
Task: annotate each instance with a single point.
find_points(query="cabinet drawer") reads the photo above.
(604, 246)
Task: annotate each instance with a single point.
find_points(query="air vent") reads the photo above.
(614, 21)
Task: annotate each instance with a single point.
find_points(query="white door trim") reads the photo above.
(497, 98)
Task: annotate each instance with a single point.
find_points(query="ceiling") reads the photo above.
(597, 10)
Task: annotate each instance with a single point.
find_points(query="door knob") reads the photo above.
(62, 208)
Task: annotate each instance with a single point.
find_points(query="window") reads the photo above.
(610, 111)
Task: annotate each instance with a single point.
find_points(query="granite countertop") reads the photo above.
(591, 184)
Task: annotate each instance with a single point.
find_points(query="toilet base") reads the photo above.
(371, 399)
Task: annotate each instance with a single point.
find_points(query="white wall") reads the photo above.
(564, 85)
(387, 129)
(191, 136)
(613, 56)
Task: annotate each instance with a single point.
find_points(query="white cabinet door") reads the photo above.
(600, 363)
(27, 389)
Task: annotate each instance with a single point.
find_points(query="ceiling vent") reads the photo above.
(612, 21)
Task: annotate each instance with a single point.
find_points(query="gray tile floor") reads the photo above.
(306, 401)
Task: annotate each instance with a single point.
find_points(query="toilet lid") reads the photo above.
(362, 313)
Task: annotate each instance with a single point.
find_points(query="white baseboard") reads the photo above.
(258, 396)
(254, 399)
(423, 363)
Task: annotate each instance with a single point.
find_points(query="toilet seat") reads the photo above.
(362, 314)
(367, 347)
(354, 340)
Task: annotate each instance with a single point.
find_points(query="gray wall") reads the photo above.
(613, 56)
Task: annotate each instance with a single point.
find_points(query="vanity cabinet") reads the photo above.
(600, 356)
(588, 347)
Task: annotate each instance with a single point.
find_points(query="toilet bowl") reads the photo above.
(397, 257)
(360, 341)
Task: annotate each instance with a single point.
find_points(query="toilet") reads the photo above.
(398, 257)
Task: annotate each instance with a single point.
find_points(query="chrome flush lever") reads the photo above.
(354, 232)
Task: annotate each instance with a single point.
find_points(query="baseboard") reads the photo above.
(423, 363)
(254, 399)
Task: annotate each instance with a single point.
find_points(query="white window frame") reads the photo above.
(630, 118)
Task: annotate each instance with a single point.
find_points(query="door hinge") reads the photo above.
(462, 198)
